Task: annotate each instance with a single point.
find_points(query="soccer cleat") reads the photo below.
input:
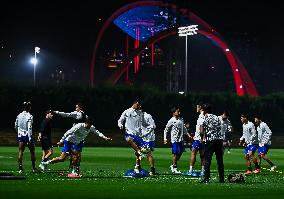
(188, 173)
(21, 171)
(248, 172)
(74, 175)
(45, 163)
(174, 170)
(151, 173)
(136, 170)
(42, 166)
(273, 168)
(202, 173)
(257, 171)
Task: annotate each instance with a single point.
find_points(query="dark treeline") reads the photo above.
(106, 104)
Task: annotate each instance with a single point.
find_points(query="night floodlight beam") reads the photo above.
(184, 32)
(34, 61)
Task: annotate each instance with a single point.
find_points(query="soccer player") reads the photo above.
(45, 137)
(211, 131)
(226, 130)
(78, 116)
(177, 129)
(197, 145)
(23, 126)
(249, 141)
(131, 122)
(73, 140)
(264, 140)
(148, 137)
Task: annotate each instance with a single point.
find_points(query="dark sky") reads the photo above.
(66, 31)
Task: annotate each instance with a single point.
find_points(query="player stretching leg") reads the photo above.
(130, 120)
(148, 137)
(73, 141)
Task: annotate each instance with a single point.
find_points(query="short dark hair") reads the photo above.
(49, 111)
(225, 112)
(258, 117)
(27, 105)
(245, 115)
(137, 101)
(174, 109)
(199, 103)
(207, 108)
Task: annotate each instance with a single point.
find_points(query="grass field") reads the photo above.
(103, 169)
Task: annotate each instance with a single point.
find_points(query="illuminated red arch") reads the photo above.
(243, 82)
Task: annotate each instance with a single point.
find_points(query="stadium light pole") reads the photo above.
(184, 32)
(34, 61)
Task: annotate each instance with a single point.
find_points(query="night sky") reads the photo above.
(66, 33)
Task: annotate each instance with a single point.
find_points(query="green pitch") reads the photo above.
(103, 169)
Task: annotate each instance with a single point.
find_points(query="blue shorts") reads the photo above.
(250, 148)
(136, 139)
(69, 146)
(178, 148)
(150, 144)
(263, 149)
(198, 145)
(25, 139)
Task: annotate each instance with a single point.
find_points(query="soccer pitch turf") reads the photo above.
(102, 170)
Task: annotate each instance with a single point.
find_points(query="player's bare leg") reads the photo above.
(135, 147)
(152, 163)
(33, 157)
(20, 156)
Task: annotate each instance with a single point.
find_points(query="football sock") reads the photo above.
(269, 162)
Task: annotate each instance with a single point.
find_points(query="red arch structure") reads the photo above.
(243, 82)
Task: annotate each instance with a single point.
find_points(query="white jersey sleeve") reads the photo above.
(264, 134)
(122, 119)
(168, 128)
(97, 132)
(148, 127)
(71, 131)
(75, 114)
(24, 124)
